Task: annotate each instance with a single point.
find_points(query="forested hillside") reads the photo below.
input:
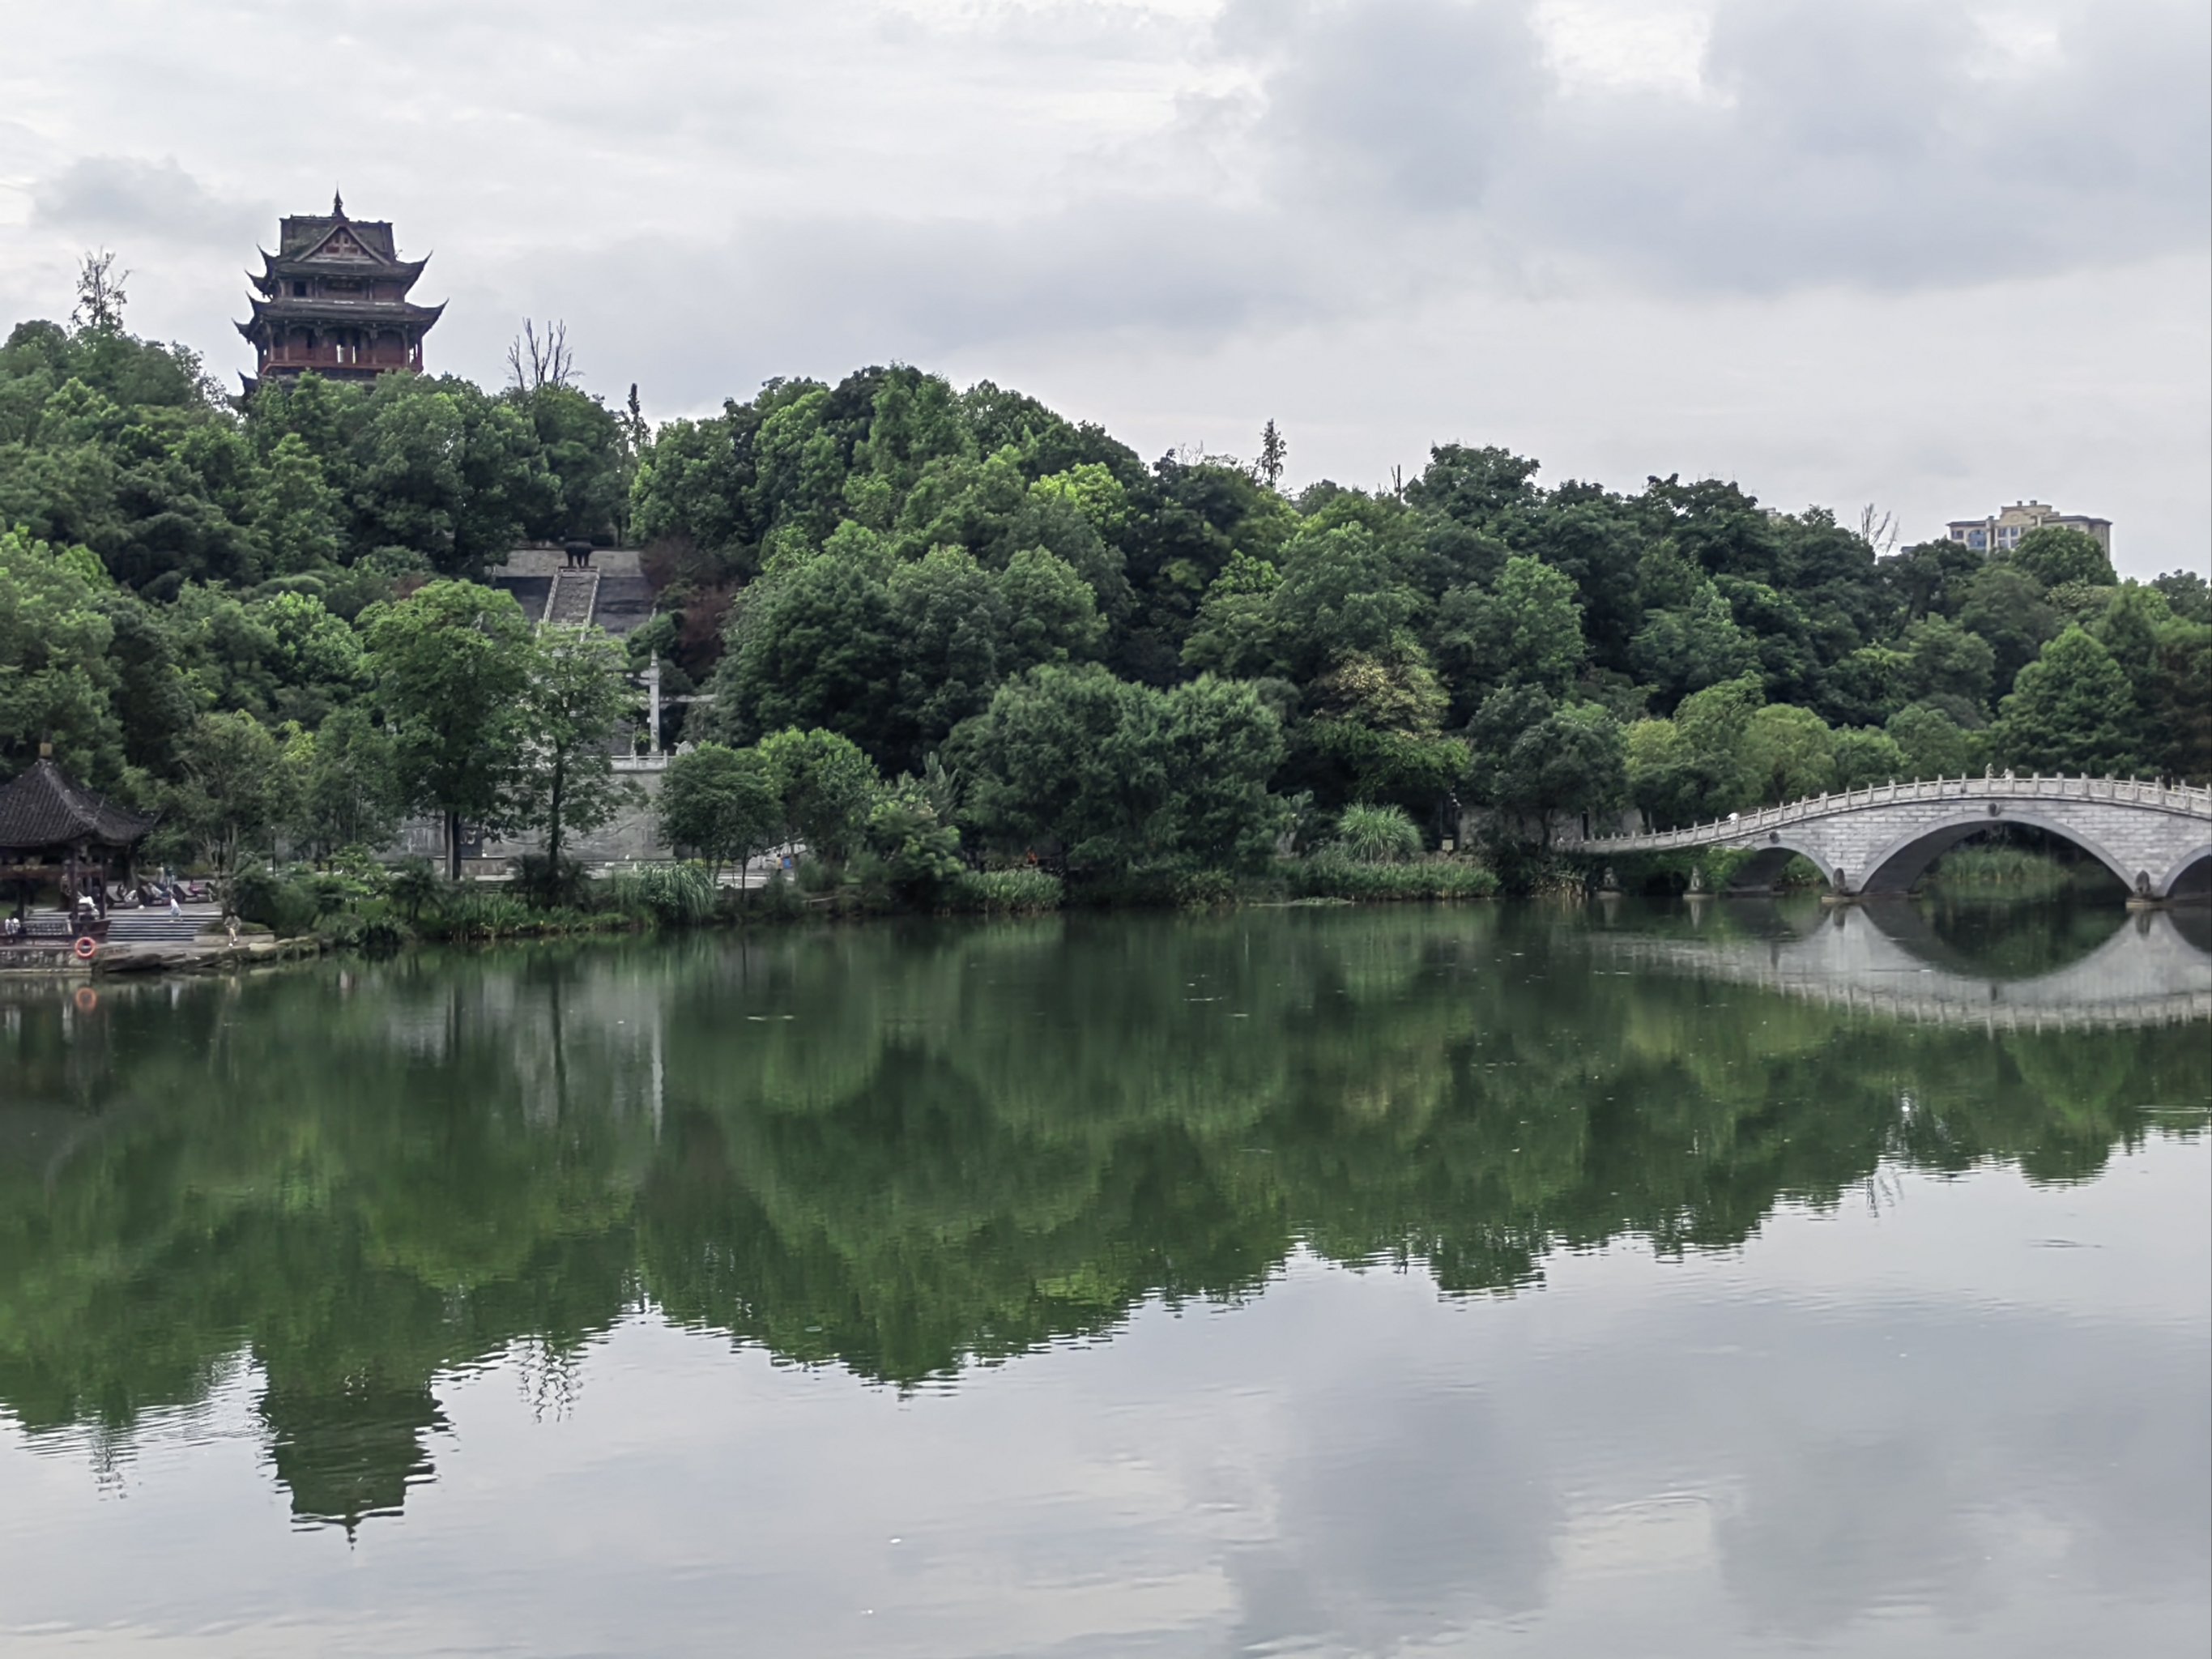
(1119, 658)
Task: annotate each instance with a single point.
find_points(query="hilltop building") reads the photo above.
(333, 298)
(2000, 532)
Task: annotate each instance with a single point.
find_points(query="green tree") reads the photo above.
(2007, 606)
(1944, 660)
(721, 805)
(2071, 710)
(235, 789)
(58, 681)
(1788, 753)
(1934, 745)
(349, 796)
(301, 518)
(1864, 757)
(827, 784)
(99, 295)
(453, 664)
(439, 467)
(1536, 759)
(1684, 648)
(813, 643)
(921, 855)
(1274, 455)
(1113, 775)
(2054, 555)
(564, 780)
(1525, 631)
(1697, 765)
(1051, 613)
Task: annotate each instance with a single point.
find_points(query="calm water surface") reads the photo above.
(1496, 1280)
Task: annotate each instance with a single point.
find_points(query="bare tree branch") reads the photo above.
(1878, 529)
(535, 361)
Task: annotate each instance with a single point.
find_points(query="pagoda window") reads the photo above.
(299, 290)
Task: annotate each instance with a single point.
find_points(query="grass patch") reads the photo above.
(1005, 892)
(1325, 877)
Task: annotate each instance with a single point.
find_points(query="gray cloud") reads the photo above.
(1875, 144)
(126, 199)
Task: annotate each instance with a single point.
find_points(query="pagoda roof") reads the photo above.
(327, 310)
(277, 267)
(299, 234)
(45, 807)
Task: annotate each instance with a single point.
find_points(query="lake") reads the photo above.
(1709, 1278)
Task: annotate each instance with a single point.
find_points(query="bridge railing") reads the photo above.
(2185, 799)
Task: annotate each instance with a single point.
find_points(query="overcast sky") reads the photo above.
(1927, 253)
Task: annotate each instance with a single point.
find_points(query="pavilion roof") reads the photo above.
(288, 310)
(301, 233)
(278, 267)
(45, 807)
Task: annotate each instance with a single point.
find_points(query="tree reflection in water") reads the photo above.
(908, 1151)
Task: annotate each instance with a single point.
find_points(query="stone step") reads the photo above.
(574, 597)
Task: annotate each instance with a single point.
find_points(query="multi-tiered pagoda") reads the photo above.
(334, 299)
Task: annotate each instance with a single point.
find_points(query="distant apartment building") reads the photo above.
(2000, 533)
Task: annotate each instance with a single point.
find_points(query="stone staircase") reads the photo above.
(575, 595)
(157, 926)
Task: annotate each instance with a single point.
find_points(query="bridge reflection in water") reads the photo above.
(1886, 958)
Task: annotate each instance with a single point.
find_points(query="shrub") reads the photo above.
(1328, 876)
(778, 900)
(1005, 892)
(1377, 835)
(549, 884)
(415, 886)
(285, 907)
(2016, 871)
(672, 894)
(486, 916)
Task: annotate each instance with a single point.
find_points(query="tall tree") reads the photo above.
(827, 785)
(99, 295)
(235, 790)
(454, 664)
(2073, 710)
(57, 678)
(349, 796)
(2056, 554)
(564, 780)
(1274, 454)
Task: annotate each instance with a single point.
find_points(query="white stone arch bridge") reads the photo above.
(2155, 838)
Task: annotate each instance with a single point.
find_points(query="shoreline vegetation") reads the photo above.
(977, 657)
(376, 911)
(373, 910)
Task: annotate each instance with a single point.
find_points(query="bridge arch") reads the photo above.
(2191, 875)
(1759, 872)
(1903, 861)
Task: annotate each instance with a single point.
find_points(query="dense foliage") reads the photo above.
(1106, 663)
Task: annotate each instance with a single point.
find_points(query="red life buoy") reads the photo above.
(87, 948)
(86, 998)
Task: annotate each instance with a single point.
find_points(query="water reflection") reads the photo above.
(909, 1151)
(2057, 966)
